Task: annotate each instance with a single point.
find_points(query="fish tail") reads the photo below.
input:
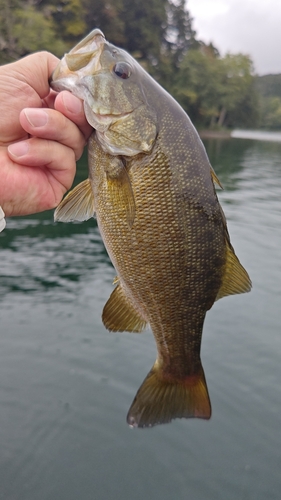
(160, 399)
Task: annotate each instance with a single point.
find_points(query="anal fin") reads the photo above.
(235, 279)
(119, 314)
(77, 205)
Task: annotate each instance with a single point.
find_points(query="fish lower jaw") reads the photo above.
(67, 83)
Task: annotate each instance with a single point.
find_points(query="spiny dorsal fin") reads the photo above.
(161, 398)
(119, 315)
(235, 278)
(77, 205)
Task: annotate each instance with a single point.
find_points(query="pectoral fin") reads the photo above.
(119, 314)
(77, 205)
(120, 191)
(235, 278)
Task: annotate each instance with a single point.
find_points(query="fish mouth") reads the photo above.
(72, 73)
(83, 59)
(75, 73)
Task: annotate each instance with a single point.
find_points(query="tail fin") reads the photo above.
(159, 400)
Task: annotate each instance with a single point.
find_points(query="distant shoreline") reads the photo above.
(255, 135)
(215, 134)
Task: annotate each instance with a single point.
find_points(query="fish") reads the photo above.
(152, 190)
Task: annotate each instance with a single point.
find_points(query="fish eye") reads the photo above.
(122, 70)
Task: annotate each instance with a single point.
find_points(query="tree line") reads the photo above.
(215, 91)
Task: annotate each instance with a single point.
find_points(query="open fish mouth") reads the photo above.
(82, 60)
(76, 73)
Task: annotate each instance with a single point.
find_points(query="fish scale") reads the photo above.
(151, 187)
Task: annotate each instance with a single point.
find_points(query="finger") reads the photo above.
(73, 108)
(53, 125)
(41, 64)
(55, 158)
(49, 101)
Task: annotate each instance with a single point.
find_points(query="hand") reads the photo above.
(42, 135)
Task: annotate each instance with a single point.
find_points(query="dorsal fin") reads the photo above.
(77, 205)
(235, 278)
(215, 178)
(119, 314)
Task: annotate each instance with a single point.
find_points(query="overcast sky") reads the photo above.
(252, 27)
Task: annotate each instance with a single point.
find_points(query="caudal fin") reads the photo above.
(159, 400)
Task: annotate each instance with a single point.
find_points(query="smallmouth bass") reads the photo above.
(151, 187)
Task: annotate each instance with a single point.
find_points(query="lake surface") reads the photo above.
(66, 383)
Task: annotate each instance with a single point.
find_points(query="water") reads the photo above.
(66, 383)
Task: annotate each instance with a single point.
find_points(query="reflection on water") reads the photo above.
(38, 258)
(66, 383)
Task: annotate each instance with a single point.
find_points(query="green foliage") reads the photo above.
(237, 91)
(179, 35)
(25, 29)
(217, 91)
(144, 27)
(269, 88)
(69, 18)
(196, 86)
(108, 16)
(32, 31)
(271, 113)
(268, 85)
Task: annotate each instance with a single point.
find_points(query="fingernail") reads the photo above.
(72, 103)
(36, 117)
(18, 148)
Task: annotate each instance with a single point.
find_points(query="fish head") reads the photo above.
(110, 82)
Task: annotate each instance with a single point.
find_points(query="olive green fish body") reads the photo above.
(151, 187)
(175, 237)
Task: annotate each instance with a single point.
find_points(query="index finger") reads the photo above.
(41, 64)
(72, 107)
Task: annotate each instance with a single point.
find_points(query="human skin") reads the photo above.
(42, 135)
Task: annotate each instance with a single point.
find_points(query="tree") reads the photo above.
(7, 42)
(269, 89)
(217, 91)
(271, 113)
(179, 36)
(237, 91)
(107, 16)
(196, 86)
(69, 16)
(24, 30)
